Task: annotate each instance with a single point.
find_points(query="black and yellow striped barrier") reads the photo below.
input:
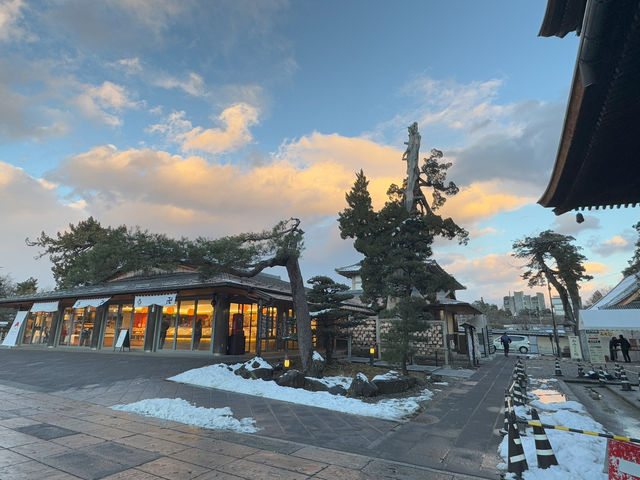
(533, 423)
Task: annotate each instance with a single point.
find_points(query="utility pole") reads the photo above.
(553, 319)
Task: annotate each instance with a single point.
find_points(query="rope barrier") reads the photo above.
(575, 430)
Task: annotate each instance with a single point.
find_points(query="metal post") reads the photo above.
(553, 319)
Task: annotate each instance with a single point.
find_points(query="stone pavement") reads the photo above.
(455, 437)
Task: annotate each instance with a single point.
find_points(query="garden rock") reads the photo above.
(394, 384)
(292, 378)
(362, 387)
(255, 370)
(315, 385)
(337, 390)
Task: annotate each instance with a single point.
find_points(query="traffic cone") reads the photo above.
(617, 370)
(626, 386)
(601, 378)
(517, 394)
(544, 452)
(523, 391)
(580, 370)
(517, 462)
(558, 372)
(505, 425)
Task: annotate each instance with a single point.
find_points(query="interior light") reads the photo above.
(287, 363)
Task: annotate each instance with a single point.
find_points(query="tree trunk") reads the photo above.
(574, 294)
(301, 309)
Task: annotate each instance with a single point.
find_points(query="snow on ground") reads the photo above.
(336, 380)
(179, 410)
(222, 377)
(580, 457)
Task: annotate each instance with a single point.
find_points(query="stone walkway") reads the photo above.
(66, 395)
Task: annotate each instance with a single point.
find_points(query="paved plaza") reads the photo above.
(55, 423)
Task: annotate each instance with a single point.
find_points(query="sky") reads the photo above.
(196, 118)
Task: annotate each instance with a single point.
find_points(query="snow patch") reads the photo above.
(218, 376)
(249, 365)
(317, 356)
(179, 410)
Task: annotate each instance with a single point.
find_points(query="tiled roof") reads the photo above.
(160, 283)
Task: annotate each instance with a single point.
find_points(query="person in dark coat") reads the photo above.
(624, 346)
(613, 345)
(505, 343)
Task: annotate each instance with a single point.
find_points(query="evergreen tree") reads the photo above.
(634, 263)
(28, 287)
(398, 278)
(552, 257)
(326, 299)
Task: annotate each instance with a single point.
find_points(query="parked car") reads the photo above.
(520, 343)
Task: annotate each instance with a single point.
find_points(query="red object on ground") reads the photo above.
(624, 460)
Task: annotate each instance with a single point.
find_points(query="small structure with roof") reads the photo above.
(617, 313)
(447, 340)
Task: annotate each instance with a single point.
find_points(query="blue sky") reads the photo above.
(212, 118)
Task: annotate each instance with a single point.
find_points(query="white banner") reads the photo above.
(90, 302)
(12, 337)
(44, 307)
(162, 300)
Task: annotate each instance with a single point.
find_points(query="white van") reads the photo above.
(519, 343)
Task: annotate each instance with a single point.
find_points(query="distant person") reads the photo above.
(624, 346)
(197, 334)
(505, 343)
(613, 345)
(163, 331)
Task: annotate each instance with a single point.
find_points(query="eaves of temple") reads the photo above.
(598, 159)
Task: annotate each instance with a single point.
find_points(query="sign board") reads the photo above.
(12, 337)
(624, 460)
(574, 347)
(594, 344)
(123, 339)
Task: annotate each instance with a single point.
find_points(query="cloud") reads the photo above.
(615, 244)
(567, 225)
(193, 84)
(482, 200)
(129, 65)
(103, 102)
(234, 134)
(154, 14)
(594, 268)
(28, 205)
(491, 276)
(11, 12)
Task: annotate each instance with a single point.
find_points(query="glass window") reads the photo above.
(139, 327)
(77, 336)
(167, 336)
(203, 328)
(88, 329)
(248, 314)
(186, 314)
(29, 328)
(111, 324)
(65, 327)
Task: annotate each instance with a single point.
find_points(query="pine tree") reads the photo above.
(398, 278)
(326, 304)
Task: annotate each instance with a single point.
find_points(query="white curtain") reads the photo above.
(162, 300)
(44, 307)
(91, 302)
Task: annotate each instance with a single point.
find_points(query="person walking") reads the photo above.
(624, 346)
(613, 345)
(505, 343)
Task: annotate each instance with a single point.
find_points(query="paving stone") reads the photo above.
(300, 465)
(78, 440)
(132, 474)
(7, 457)
(203, 458)
(125, 454)
(258, 471)
(152, 444)
(173, 468)
(84, 465)
(332, 457)
(40, 450)
(333, 472)
(44, 431)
